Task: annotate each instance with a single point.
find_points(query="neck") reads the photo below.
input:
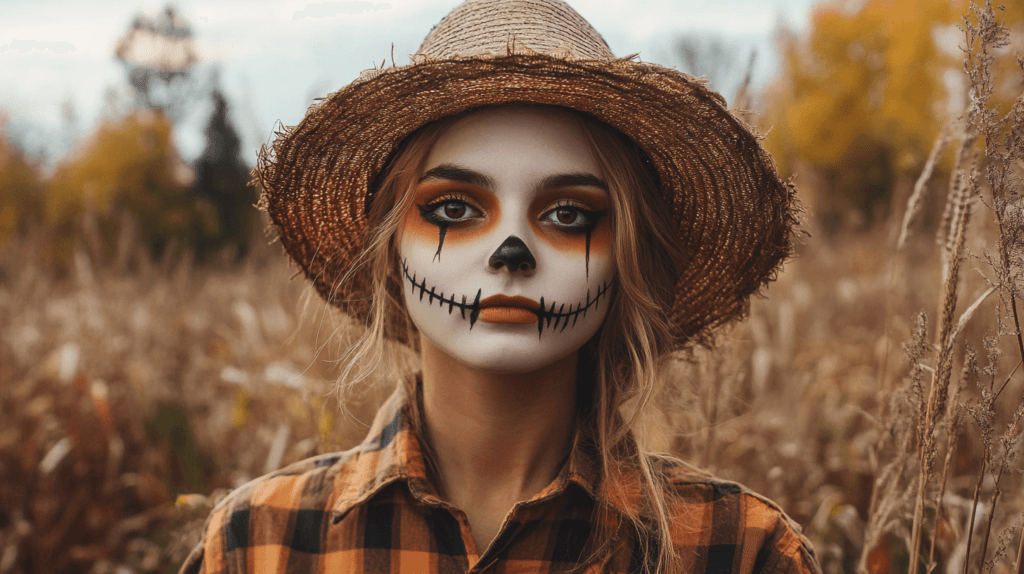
(497, 436)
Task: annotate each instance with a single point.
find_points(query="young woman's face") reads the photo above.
(506, 256)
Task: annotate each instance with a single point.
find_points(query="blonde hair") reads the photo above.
(622, 361)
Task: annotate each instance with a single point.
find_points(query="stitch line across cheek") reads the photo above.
(547, 317)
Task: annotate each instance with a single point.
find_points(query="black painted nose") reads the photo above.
(514, 254)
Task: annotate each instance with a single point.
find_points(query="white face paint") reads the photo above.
(506, 253)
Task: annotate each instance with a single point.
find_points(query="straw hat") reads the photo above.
(734, 215)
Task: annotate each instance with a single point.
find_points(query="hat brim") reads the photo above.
(734, 216)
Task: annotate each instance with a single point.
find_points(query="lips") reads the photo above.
(505, 309)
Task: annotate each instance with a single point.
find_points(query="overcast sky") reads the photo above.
(275, 56)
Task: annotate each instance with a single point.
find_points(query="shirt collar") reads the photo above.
(392, 452)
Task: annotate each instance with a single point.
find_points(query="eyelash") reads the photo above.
(428, 213)
(428, 210)
(592, 216)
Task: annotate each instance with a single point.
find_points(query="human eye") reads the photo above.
(447, 210)
(572, 217)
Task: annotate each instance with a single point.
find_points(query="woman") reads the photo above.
(543, 223)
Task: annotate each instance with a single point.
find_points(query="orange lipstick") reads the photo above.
(505, 309)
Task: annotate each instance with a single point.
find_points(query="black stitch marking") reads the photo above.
(544, 314)
(560, 309)
(540, 319)
(476, 309)
(422, 286)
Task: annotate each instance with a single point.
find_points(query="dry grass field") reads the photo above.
(874, 391)
(133, 399)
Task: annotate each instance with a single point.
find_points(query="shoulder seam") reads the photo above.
(306, 466)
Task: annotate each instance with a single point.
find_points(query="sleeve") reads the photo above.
(785, 550)
(194, 563)
(208, 557)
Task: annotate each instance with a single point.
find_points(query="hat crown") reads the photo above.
(489, 28)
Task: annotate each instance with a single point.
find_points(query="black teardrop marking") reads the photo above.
(540, 319)
(588, 253)
(476, 309)
(441, 230)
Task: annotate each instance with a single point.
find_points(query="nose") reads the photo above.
(514, 254)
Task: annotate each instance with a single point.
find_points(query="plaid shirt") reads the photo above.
(372, 509)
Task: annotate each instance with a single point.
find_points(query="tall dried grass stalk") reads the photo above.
(1003, 147)
(953, 432)
(894, 484)
(957, 188)
(931, 411)
(1020, 555)
(916, 198)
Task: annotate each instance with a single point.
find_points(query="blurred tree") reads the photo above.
(160, 56)
(860, 100)
(21, 190)
(863, 96)
(128, 166)
(224, 200)
(714, 58)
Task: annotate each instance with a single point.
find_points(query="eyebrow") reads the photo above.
(454, 172)
(572, 180)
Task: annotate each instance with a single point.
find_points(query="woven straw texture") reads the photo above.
(733, 214)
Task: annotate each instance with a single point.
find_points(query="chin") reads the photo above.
(513, 353)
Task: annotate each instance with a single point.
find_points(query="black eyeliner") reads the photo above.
(594, 217)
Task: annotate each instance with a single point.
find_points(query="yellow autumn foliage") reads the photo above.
(128, 166)
(20, 191)
(862, 96)
(875, 73)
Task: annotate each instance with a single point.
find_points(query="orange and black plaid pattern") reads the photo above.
(372, 509)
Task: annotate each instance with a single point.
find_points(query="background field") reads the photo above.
(155, 350)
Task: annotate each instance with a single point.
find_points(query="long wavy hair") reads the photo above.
(618, 369)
